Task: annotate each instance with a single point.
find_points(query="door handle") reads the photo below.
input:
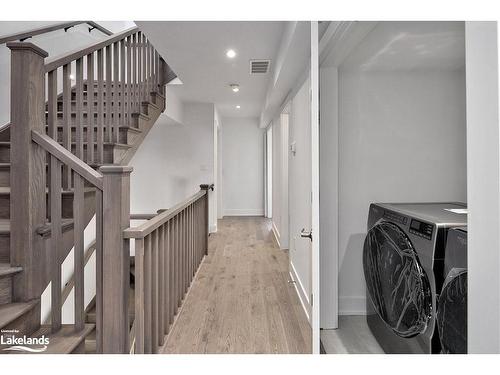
(306, 234)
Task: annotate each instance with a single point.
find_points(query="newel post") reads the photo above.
(207, 188)
(115, 259)
(27, 171)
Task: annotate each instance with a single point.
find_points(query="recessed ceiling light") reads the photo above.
(231, 53)
(71, 76)
(238, 106)
(235, 87)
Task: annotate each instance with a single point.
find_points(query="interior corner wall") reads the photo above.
(173, 160)
(242, 167)
(402, 138)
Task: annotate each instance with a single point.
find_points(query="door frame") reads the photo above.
(284, 119)
(268, 168)
(335, 45)
(315, 228)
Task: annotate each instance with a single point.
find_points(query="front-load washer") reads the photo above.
(451, 317)
(403, 260)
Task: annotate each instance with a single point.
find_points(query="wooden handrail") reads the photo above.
(96, 26)
(57, 61)
(47, 29)
(142, 216)
(157, 221)
(67, 158)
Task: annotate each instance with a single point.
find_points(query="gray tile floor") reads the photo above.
(352, 337)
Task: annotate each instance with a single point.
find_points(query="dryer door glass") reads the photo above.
(452, 313)
(397, 284)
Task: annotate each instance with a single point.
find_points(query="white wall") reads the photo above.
(401, 138)
(242, 167)
(483, 165)
(328, 197)
(173, 160)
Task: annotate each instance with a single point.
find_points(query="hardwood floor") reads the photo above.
(240, 300)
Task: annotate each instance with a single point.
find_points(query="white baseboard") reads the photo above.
(301, 292)
(349, 305)
(244, 212)
(276, 234)
(213, 229)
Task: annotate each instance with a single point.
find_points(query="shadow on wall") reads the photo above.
(353, 254)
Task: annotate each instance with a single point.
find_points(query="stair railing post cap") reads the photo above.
(116, 169)
(13, 46)
(207, 187)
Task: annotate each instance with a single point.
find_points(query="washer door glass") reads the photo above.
(452, 313)
(397, 284)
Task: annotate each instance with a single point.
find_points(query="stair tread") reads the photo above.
(151, 104)
(7, 269)
(106, 144)
(158, 94)
(47, 228)
(5, 190)
(104, 127)
(85, 112)
(4, 226)
(11, 311)
(66, 340)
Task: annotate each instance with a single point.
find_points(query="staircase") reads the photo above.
(62, 162)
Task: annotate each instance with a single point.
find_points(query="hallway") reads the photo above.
(240, 300)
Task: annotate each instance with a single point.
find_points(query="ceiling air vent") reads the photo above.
(259, 66)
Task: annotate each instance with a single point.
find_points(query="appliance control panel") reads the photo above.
(421, 229)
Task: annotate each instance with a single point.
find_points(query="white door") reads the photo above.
(304, 192)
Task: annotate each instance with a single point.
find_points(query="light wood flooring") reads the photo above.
(353, 336)
(241, 300)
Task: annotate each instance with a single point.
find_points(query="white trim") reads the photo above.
(244, 212)
(299, 288)
(276, 234)
(350, 305)
(315, 228)
(213, 229)
(483, 188)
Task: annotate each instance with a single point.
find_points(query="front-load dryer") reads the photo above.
(451, 317)
(403, 260)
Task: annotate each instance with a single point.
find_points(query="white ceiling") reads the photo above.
(196, 51)
(410, 46)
